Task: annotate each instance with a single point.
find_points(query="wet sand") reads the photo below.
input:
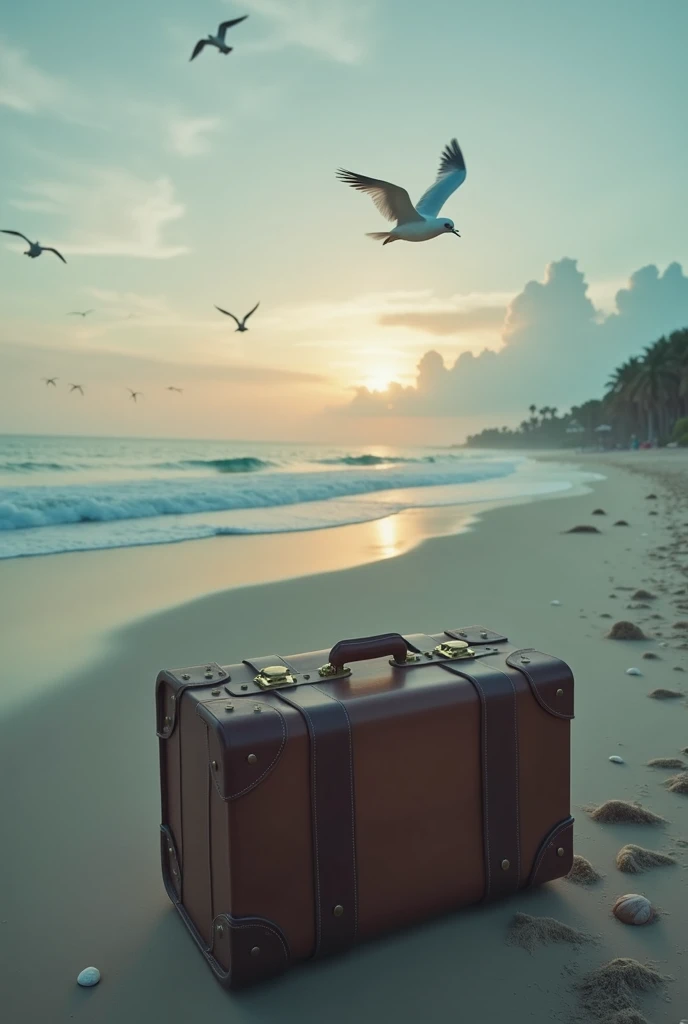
(81, 879)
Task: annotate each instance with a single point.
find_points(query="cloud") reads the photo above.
(335, 29)
(23, 87)
(557, 348)
(188, 135)
(98, 366)
(117, 213)
(481, 318)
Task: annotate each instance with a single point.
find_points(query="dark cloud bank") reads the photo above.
(558, 349)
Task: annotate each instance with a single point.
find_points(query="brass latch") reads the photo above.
(330, 670)
(272, 676)
(455, 649)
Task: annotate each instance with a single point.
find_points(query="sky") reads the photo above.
(173, 186)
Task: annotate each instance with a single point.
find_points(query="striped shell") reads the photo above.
(633, 909)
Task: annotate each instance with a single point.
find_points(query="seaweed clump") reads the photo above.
(582, 872)
(619, 812)
(530, 932)
(614, 988)
(624, 630)
(634, 860)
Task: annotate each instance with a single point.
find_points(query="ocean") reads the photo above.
(60, 494)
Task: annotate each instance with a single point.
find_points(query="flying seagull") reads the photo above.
(219, 39)
(50, 380)
(416, 223)
(76, 387)
(178, 390)
(78, 312)
(134, 394)
(35, 248)
(241, 324)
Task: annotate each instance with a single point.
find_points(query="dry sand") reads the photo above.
(81, 882)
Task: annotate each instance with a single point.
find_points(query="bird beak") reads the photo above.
(455, 232)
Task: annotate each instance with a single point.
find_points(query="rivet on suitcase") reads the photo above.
(314, 801)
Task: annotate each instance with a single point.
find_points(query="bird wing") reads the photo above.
(46, 248)
(6, 232)
(226, 313)
(451, 174)
(198, 47)
(392, 201)
(222, 30)
(251, 311)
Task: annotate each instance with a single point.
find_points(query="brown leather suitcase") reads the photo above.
(312, 802)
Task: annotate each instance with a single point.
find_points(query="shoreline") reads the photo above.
(127, 584)
(82, 756)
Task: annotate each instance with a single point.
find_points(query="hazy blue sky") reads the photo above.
(172, 186)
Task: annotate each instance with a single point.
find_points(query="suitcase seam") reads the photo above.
(547, 843)
(247, 789)
(538, 696)
(262, 926)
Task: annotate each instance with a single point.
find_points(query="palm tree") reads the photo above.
(656, 387)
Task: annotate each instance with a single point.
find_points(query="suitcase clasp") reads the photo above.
(272, 676)
(455, 649)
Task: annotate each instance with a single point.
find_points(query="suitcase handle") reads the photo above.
(367, 647)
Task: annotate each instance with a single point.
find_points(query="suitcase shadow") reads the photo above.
(455, 967)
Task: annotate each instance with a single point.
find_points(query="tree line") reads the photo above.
(646, 398)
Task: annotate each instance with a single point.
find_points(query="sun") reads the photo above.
(378, 379)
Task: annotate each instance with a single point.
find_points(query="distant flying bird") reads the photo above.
(241, 324)
(76, 387)
(134, 394)
(219, 39)
(416, 223)
(77, 312)
(50, 380)
(178, 390)
(35, 248)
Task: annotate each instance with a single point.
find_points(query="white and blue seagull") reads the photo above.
(35, 248)
(218, 41)
(421, 222)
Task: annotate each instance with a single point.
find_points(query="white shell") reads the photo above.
(88, 977)
(633, 909)
(555, 602)
(633, 672)
(616, 759)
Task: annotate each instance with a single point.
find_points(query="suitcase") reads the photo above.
(315, 801)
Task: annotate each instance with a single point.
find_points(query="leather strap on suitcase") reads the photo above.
(499, 754)
(332, 810)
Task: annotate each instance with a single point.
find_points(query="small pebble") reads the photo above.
(555, 602)
(616, 759)
(633, 672)
(88, 977)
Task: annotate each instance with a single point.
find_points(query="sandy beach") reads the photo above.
(85, 635)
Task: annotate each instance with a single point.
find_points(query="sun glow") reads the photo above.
(378, 379)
